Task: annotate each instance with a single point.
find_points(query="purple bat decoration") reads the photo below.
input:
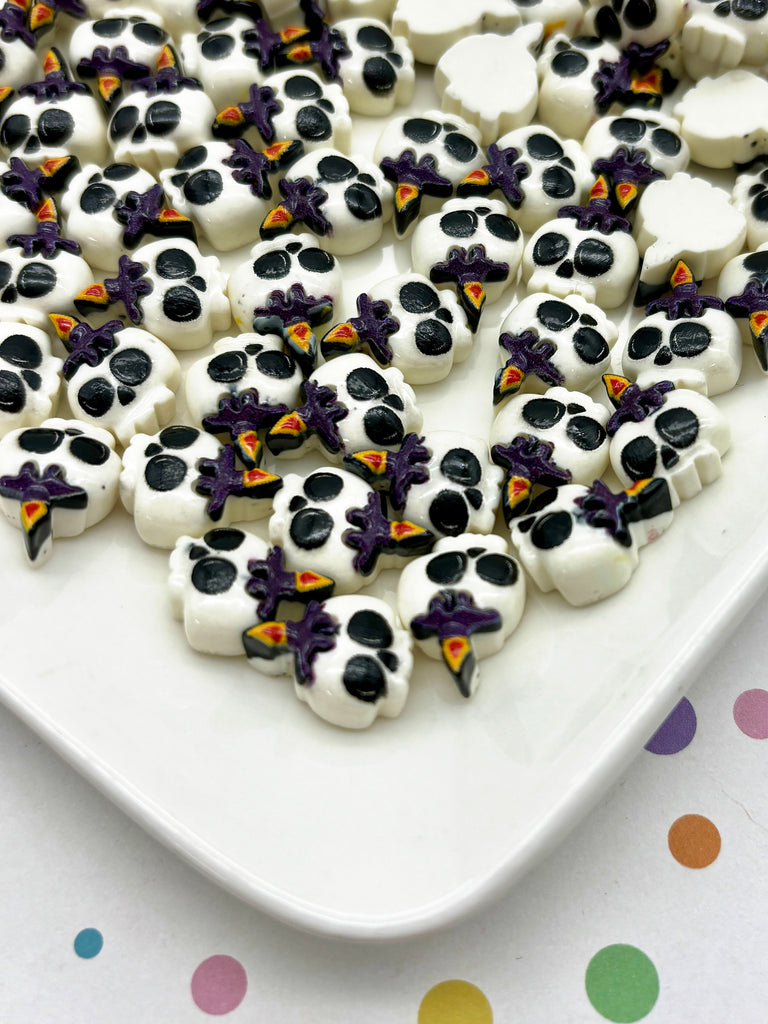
(24, 184)
(404, 169)
(270, 582)
(13, 25)
(597, 215)
(295, 307)
(219, 478)
(464, 267)
(45, 241)
(614, 80)
(528, 354)
(262, 43)
(257, 110)
(128, 287)
(754, 299)
(528, 457)
(141, 213)
(402, 469)
(326, 45)
(55, 86)
(89, 346)
(165, 80)
(74, 8)
(684, 302)
(250, 168)
(314, 632)
(635, 405)
(111, 62)
(602, 508)
(504, 172)
(373, 533)
(320, 411)
(241, 413)
(50, 487)
(623, 167)
(303, 199)
(374, 325)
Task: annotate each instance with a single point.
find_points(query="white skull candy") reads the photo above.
(141, 39)
(56, 480)
(248, 361)
(741, 276)
(89, 206)
(169, 485)
(580, 334)
(571, 422)
(568, 545)
(462, 490)
(378, 74)
(652, 133)
(353, 201)
(219, 56)
(360, 671)
(445, 599)
(43, 282)
(682, 441)
(646, 22)
(29, 377)
(563, 259)
(566, 70)
(718, 36)
(750, 195)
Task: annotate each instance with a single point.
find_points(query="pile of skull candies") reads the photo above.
(574, 178)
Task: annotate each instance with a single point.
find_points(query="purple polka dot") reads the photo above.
(676, 731)
(750, 713)
(219, 984)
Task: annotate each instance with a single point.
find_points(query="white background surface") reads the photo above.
(70, 861)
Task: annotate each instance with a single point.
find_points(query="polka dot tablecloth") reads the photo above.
(653, 909)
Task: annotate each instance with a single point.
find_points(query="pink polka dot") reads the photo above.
(750, 713)
(219, 984)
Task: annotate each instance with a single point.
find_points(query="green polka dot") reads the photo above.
(622, 983)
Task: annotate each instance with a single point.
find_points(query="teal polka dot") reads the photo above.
(88, 943)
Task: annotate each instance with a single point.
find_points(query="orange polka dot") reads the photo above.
(694, 841)
(455, 1002)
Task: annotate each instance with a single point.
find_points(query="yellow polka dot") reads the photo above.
(455, 1002)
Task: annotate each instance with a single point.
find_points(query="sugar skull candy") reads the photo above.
(462, 602)
(536, 171)
(246, 363)
(348, 404)
(42, 273)
(183, 481)
(472, 245)
(118, 377)
(572, 423)
(112, 48)
(566, 89)
(720, 36)
(651, 133)
(225, 188)
(29, 377)
(584, 541)
(56, 480)
(667, 432)
(220, 582)
(54, 118)
(645, 22)
(687, 339)
(346, 201)
(378, 74)
(220, 57)
(425, 156)
(294, 105)
(18, 59)
(405, 322)
(350, 658)
(160, 117)
(461, 490)
(546, 342)
(170, 289)
(334, 524)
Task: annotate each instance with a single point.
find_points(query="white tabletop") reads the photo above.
(72, 862)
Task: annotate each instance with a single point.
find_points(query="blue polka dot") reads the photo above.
(88, 943)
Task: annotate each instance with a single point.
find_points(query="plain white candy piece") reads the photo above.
(378, 75)
(683, 442)
(309, 522)
(559, 173)
(701, 353)
(563, 259)
(566, 89)
(132, 390)
(88, 204)
(217, 55)
(381, 407)
(724, 120)
(562, 552)
(686, 219)
(490, 80)
(647, 131)
(277, 265)
(462, 491)
(20, 62)
(85, 457)
(478, 566)
(188, 303)
(29, 376)
(207, 588)
(57, 280)
(581, 333)
(431, 30)
(466, 223)
(238, 364)
(432, 334)
(717, 38)
(645, 22)
(358, 198)
(750, 196)
(573, 423)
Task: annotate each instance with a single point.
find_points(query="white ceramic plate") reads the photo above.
(405, 827)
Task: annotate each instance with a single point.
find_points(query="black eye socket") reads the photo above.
(689, 339)
(124, 121)
(162, 117)
(36, 280)
(15, 130)
(55, 126)
(644, 342)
